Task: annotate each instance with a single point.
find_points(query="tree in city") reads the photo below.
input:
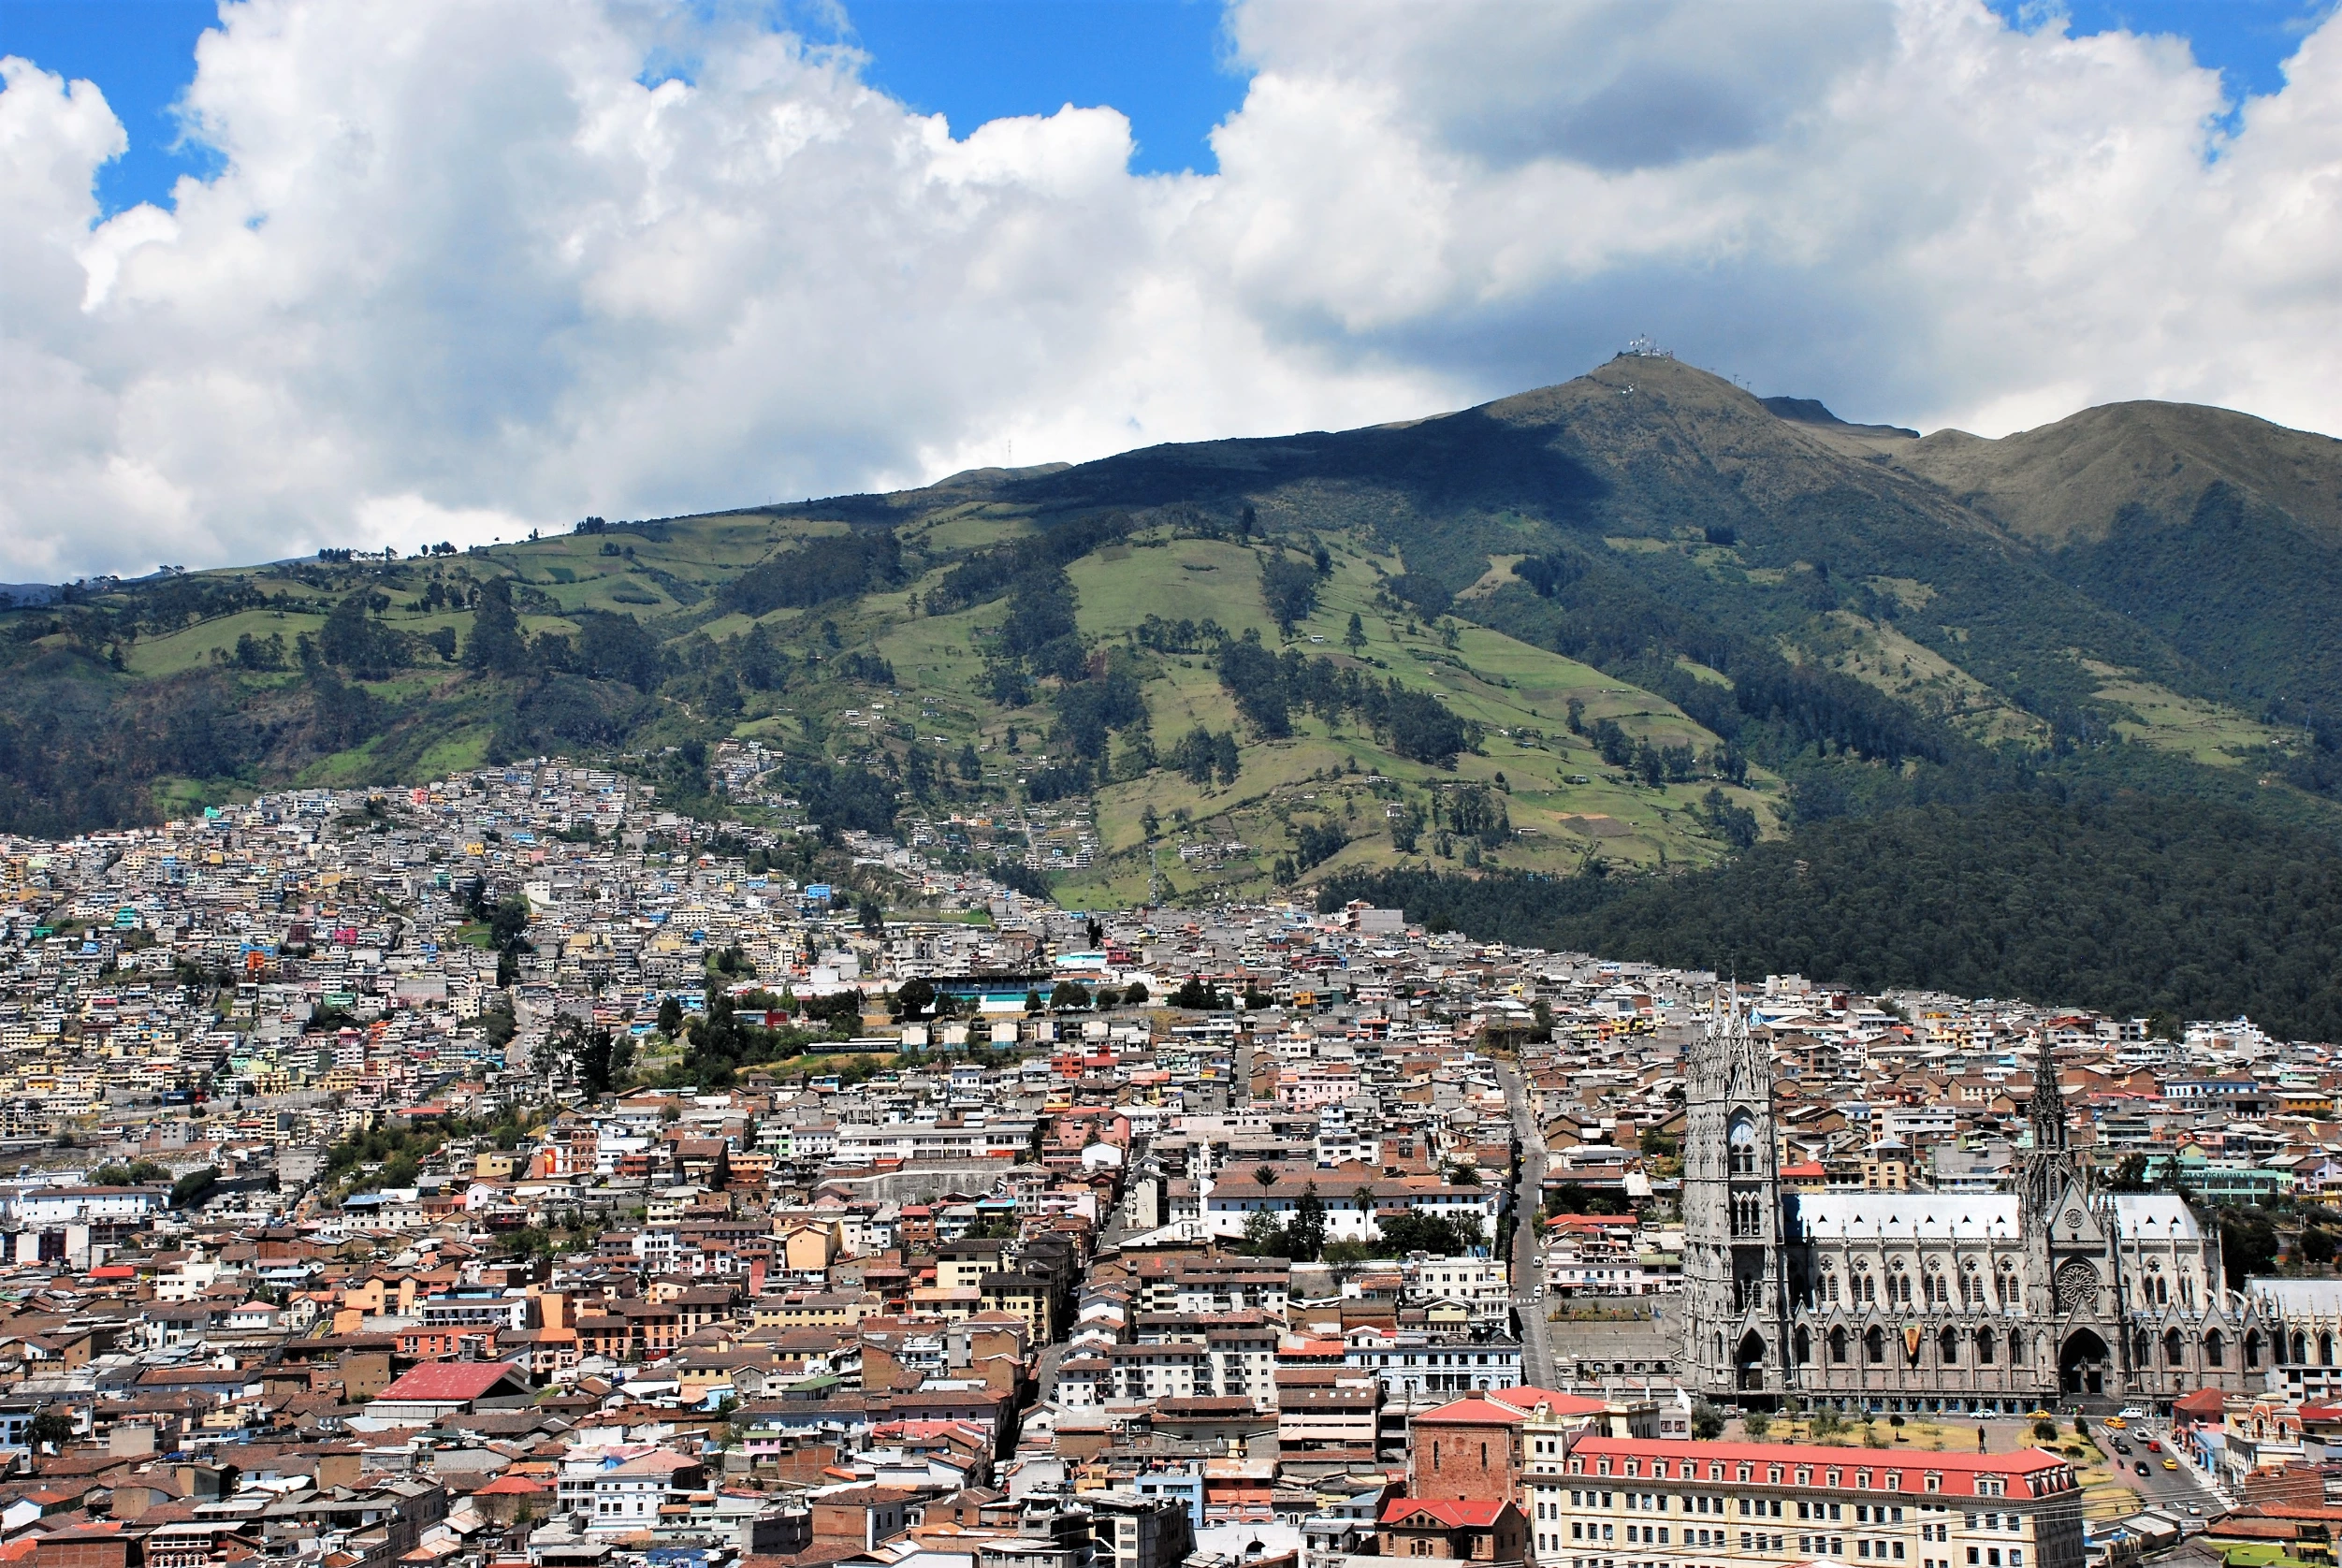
(1068, 994)
(1199, 994)
(914, 997)
(190, 1190)
(136, 1174)
(1706, 1421)
(1306, 1235)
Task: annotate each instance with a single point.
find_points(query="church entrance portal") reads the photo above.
(1751, 1357)
(2082, 1364)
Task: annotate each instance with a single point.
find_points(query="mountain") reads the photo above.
(1640, 620)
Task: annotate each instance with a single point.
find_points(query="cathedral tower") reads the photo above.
(2048, 1165)
(1736, 1307)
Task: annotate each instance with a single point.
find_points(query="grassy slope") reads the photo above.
(1518, 692)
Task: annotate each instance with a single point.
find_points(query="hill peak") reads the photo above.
(2064, 482)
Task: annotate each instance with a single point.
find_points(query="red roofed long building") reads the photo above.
(1604, 1502)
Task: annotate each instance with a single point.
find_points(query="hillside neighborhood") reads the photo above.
(510, 1170)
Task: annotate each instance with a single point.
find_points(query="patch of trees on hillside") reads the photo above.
(822, 569)
(1268, 686)
(2125, 905)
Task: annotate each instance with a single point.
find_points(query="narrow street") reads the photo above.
(2185, 1491)
(1537, 1356)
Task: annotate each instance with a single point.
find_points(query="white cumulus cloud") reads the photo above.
(468, 270)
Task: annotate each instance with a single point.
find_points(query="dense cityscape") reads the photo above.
(509, 1169)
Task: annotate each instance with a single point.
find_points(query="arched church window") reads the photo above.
(2016, 1348)
(1983, 1347)
(1741, 1143)
(2214, 1349)
(2325, 1349)
(2175, 1348)
(1803, 1342)
(2252, 1351)
(2138, 1347)
(1875, 1345)
(1838, 1347)
(2301, 1348)
(1947, 1348)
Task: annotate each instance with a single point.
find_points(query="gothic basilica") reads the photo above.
(1980, 1302)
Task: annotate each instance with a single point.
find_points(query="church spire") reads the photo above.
(2048, 1104)
(2048, 1165)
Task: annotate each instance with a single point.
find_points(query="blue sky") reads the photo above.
(1164, 63)
(1427, 203)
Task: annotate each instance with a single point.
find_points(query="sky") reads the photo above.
(277, 274)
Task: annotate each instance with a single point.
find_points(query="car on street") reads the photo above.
(2117, 1422)
(2132, 1412)
(2196, 1508)
(2140, 1467)
(2121, 1447)
(2170, 1464)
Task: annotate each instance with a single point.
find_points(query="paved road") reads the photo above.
(2172, 1491)
(1537, 1355)
(1045, 1371)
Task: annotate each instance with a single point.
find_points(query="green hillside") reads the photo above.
(1640, 620)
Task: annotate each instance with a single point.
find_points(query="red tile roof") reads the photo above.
(1507, 1407)
(440, 1381)
(2040, 1470)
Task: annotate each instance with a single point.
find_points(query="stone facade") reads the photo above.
(1926, 1301)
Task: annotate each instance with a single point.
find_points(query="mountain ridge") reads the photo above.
(1818, 604)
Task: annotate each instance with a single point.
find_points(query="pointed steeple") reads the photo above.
(2048, 1109)
(2048, 1165)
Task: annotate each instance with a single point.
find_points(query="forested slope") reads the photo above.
(2122, 904)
